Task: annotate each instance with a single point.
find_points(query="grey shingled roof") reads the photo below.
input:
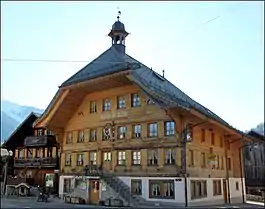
(160, 90)
(110, 61)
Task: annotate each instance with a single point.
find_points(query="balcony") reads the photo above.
(51, 162)
(39, 141)
(93, 170)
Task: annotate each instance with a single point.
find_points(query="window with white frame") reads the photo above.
(121, 132)
(121, 102)
(152, 157)
(69, 138)
(121, 158)
(170, 156)
(93, 135)
(107, 156)
(68, 160)
(81, 137)
(136, 158)
(169, 128)
(93, 107)
(21, 153)
(93, 158)
(136, 131)
(40, 132)
(80, 159)
(152, 130)
(161, 189)
(135, 98)
(106, 105)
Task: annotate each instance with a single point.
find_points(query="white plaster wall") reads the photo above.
(179, 188)
(210, 199)
(236, 195)
(61, 182)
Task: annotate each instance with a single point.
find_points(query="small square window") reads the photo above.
(135, 100)
(93, 107)
(106, 105)
(121, 103)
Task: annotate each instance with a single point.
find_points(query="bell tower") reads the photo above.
(118, 35)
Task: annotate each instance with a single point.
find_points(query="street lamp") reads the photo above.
(5, 156)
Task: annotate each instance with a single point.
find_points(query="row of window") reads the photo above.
(121, 103)
(219, 161)
(169, 156)
(164, 188)
(39, 152)
(213, 139)
(41, 132)
(152, 132)
(198, 188)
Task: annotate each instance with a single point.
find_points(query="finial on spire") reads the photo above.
(163, 71)
(119, 13)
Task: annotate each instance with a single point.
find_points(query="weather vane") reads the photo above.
(119, 13)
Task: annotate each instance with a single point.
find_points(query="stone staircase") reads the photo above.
(124, 192)
(122, 189)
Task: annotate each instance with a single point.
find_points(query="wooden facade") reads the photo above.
(36, 154)
(147, 140)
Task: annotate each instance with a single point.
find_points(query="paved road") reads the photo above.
(56, 203)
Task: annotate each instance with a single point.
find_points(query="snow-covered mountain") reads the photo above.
(12, 115)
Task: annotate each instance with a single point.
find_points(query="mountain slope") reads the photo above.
(8, 124)
(259, 128)
(12, 115)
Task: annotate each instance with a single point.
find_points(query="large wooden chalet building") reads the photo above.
(126, 131)
(36, 156)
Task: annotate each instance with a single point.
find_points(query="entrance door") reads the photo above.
(225, 191)
(93, 191)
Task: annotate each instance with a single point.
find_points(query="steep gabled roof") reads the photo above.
(159, 89)
(29, 119)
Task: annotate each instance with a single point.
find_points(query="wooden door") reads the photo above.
(93, 191)
(225, 191)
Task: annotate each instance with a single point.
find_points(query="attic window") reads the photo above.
(159, 76)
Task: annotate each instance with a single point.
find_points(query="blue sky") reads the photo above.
(220, 64)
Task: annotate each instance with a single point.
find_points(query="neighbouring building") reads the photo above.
(36, 156)
(254, 163)
(125, 131)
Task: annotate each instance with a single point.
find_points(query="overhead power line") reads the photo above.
(86, 61)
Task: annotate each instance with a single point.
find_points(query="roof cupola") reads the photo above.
(118, 35)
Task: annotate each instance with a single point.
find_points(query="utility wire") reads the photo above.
(85, 61)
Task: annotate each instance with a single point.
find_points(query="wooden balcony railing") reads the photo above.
(39, 141)
(93, 170)
(36, 162)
